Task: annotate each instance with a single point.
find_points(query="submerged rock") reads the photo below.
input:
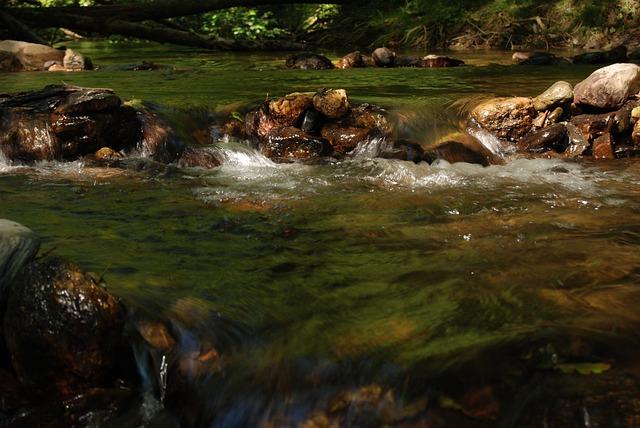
(62, 329)
(198, 157)
(558, 94)
(509, 119)
(308, 61)
(537, 58)
(609, 87)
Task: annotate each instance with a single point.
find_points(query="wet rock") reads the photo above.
(258, 124)
(86, 101)
(508, 119)
(555, 115)
(437, 61)
(32, 56)
(578, 143)
(156, 334)
(404, 150)
(289, 110)
(594, 125)
(287, 143)
(603, 147)
(558, 94)
(617, 54)
(408, 61)
(62, 329)
(351, 60)
(460, 147)
(343, 138)
(9, 62)
(332, 103)
(18, 245)
(198, 157)
(536, 58)
(107, 154)
(73, 61)
(371, 117)
(308, 61)
(384, 57)
(609, 87)
(158, 140)
(53, 66)
(147, 66)
(553, 137)
(312, 121)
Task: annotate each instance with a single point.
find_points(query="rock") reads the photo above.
(578, 143)
(74, 61)
(460, 147)
(635, 113)
(404, 150)
(343, 138)
(193, 157)
(603, 147)
(107, 154)
(608, 87)
(553, 137)
(408, 61)
(507, 118)
(371, 117)
(62, 329)
(536, 58)
(617, 54)
(558, 94)
(9, 62)
(87, 100)
(437, 61)
(312, 121)
(287, 144)
(555, 115)
(593, 126)
(290, 109)
(308, 61)
(53, 66)
(635, 134)
(351, 60)
(332, 103)
(158, 140)
(156, 335)
(32, 56)
(147, 66)
(384, 57)
(18, 245)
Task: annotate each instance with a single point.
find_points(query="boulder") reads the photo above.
(384, 57)
(198, 157)
(286, 144)
(62, 329)
(332, 103)
(343, 138)
(18, 245)
(32, 56)
(9, 62)
(553, 137)
(558, 94)
(617, 54)
(593, 126)
(158, 140)
(459, 147)
(289, 110)
(437, 61)
(509, 119)
(602, 147)
(308, 61)
(351, 60)
(608, 87)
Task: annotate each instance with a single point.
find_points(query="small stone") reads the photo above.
(578, 144)
(343, 138)
(635, 113)
(555, 115)
(459, 147)
(332, 103)
(198, 157)
(559, 93)
(308, 61)
(553, 137)
(438, 61)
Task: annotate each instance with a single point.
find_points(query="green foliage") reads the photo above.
(241, 23)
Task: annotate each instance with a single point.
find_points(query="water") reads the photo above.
(312, 280)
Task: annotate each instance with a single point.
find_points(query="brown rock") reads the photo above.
(559, 93)
(507, 118)
(333, 103)
(635, 134)
(287, 144)
(156, 334)
(258, 124)
(198, 157)
(384, 57)
(578, 143)
(343, 138)
(32, 56)
(536, 58)
(289, 110)
(404, 150)
(62, 329)
(107, 154)
(608, 87)
(438, 61)
(308, 61)
(158, 140)
(9, 62)
(603, 147)
(408, 61)
(617, 54)
(553, 137)
(351, 60)
(594, 125)
(73, 61)
(460, 147)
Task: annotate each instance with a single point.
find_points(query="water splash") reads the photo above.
(162, 378)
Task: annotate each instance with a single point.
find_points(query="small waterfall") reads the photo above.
(237, 155)
(372, 148)
(489, 141)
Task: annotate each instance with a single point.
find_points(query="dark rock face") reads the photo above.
(286, 143)
(384, 57)
(343, 138)
(553, 137)
(308, 61)
(460, 148)
(61, 329)
(67, 122)
(9, 62)
(438, 61)
(198, 157)
(351, 60)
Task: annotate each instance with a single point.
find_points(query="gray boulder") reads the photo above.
(609, 87)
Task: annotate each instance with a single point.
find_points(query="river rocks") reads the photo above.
(553, 137)
(438, 61)
(75, 61)
(332, 103)
(290, 109)
(383, 57)
(609, 87)
(62, 329)
(536, 58)
(459, 147)
(558, 94)
(286, 143)
(408, 61)
(343, 138)
(351, 60)
(508, 118)
(9, 62)
(32, 56)
(195, 157)
(18, 245)
(617, 54)
(308, 61)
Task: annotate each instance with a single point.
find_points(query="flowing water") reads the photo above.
(315, 279)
